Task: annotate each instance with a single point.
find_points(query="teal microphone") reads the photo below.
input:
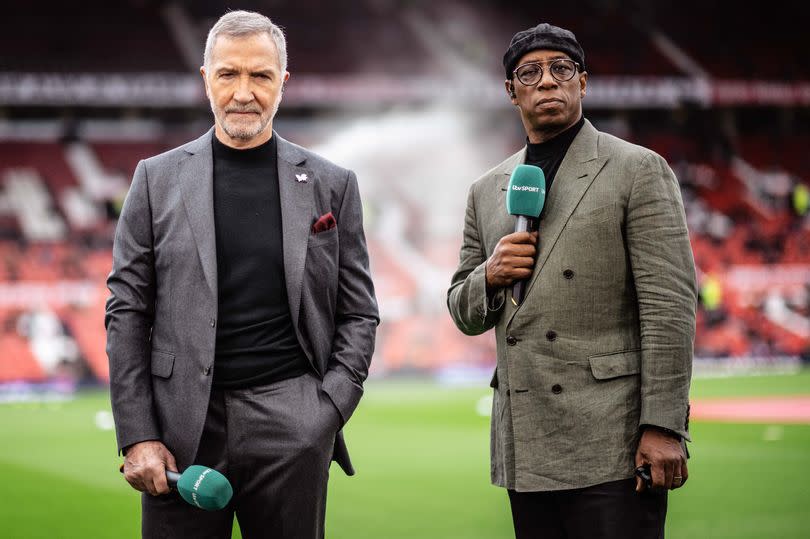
(202, 487)
(525, 198)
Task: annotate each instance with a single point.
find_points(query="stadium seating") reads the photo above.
(408, 342)
(60, 193)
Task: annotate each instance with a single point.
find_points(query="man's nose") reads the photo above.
(547, 81)
(244, 91)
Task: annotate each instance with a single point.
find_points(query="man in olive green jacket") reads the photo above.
(594, 366)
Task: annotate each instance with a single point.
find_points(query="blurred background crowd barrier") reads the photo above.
(410, 95)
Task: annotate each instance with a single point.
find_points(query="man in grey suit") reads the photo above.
(594, 366)
(242, 316)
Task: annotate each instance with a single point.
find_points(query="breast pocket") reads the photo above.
(326, 237)
(322, 266)
(593, 216)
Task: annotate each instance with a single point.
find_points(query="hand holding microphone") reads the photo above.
(146, 468)
(145, 464)
(512, 260)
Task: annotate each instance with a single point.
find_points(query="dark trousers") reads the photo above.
(274, 443)
(611, 510)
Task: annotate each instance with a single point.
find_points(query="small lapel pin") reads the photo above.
(301, 177)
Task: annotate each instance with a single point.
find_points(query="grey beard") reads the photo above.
(243, 134)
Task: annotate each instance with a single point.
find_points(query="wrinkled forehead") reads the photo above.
(254, 51)
(542, 55)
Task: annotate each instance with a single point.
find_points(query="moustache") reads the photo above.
(255, 111)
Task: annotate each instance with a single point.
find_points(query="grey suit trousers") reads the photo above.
(274, 443)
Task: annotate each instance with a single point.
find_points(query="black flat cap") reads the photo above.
(542, 36)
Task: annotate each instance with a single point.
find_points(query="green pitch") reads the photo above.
(421, 452)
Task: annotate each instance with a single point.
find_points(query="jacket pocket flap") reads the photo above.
(606, 366)
(162, 363)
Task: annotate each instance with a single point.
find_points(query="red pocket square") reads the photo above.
(324, 223)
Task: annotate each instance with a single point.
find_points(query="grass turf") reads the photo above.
(422, 457)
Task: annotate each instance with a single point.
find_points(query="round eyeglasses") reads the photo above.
(561, 69)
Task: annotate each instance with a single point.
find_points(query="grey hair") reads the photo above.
(245, 23)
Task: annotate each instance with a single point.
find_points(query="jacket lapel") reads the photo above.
(579, 168)
(196, 178)
(297, 207)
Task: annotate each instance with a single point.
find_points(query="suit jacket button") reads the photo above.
(551, 335)
(213, 322)
(207, 370)
(511, 341)
(568, 274)
(556, 389)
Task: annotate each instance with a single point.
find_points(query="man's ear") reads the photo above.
(510, 91)
(284, 81)
(583, 83)
(205, 81)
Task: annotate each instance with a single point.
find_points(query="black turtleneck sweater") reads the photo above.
(549, 154)
(256, 342)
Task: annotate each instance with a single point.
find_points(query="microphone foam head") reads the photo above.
(205, 488)
(526, 193)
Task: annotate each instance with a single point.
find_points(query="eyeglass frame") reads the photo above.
(577, 69)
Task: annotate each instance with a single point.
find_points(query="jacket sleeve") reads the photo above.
(472, 311)
(356, 311)
(129, 316)
(664, 275)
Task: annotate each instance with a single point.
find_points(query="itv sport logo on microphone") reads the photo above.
(529, 188)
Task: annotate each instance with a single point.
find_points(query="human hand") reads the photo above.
(145, 467)
(512, 260)
(331, 410)
(664, 455)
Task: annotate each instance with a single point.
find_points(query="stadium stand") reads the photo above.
(740, 166)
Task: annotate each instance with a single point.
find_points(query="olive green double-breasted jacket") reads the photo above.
(603, 341)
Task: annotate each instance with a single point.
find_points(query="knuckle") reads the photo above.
(131, 476)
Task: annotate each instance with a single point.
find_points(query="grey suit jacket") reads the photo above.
(161, 314)
(603, 340)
